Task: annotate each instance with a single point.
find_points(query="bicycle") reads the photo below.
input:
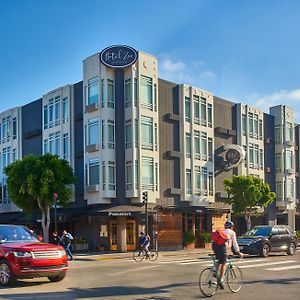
(209, 278)
(140, 253)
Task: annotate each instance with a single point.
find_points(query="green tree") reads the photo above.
(32, 181)
(246, 194)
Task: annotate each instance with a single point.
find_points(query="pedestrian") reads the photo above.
(55, 238)
(66, 239)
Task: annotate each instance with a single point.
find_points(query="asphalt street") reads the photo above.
(170, 277)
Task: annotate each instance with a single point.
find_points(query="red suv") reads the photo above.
(22, 255)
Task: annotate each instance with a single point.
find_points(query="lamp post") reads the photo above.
(55, 198)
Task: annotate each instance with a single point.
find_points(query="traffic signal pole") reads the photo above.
(145, 200)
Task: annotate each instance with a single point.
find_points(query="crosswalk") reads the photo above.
(265, 263)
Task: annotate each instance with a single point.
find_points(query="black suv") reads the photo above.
(261, 240)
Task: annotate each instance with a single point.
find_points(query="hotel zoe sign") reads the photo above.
(118, 56)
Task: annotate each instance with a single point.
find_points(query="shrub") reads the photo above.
(298, 234)
(205, 237)
(188, 238)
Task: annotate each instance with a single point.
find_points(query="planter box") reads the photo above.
(81, 247)
(190, 246)
(207, 246)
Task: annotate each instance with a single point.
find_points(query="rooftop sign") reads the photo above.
(118, 56)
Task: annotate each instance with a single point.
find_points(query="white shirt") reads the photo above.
(231, 240)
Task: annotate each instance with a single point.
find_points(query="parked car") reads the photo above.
(22, 255)
(262, 240)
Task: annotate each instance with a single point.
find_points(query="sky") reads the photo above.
(244, 51)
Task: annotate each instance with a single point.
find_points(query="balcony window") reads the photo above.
(128, 134)
(147, 170)
(93, 171)
(188, 181)
(146, 95)
(196, 100)
(187, 109)
(147, 133)
(57, 110)
(188, 145)
(127, 92)
(197, 144)
(209, 115)
(111, 134)
(111, 176)
(65, 110)
(93, 91)
(93, 131)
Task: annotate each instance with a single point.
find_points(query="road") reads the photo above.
(170, 277)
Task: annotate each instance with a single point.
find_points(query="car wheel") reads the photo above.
(265, 250)
(291, 249)
(57, 278)
(6, 276)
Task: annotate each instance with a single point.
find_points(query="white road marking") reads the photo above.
(182, 261)
(267, 264)
(284, 268)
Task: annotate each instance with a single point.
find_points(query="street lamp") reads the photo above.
(55, 198)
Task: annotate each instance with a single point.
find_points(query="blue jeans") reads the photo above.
(68, 250)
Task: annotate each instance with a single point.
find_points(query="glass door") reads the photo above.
(130, 235)
(113, 235)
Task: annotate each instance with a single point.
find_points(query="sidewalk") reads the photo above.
(118, 255)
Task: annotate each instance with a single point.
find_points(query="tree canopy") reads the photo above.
(32, 181)
(246, 194)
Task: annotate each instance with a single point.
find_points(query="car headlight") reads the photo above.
(63, 252)
(22, 254)
(255, 241)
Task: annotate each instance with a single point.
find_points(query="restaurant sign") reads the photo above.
(119, 214)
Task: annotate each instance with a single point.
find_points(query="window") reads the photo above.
(203, 112)
(111, 134)
(66, 146)
(188, 181)
(147, 171)
(196, 109)
(128, 135)
(278, 134)
(57, 143)
(187, 109)
(103, 134)
(278, 162)
(51, 143)
(135, 92)
(289, 159)
(146, 92)
(279, 190)
(251, 155)
(188, 145)
(210, 149)
(261, 159)
(14, 128)
(45, 146)
(256, 126)
(8, 161)
(102, 93)
(65, 110)
(57, 110)
(204, 146)
(156, 176)
(209, 115)
(289, 131)
(128, 175)
(244, 124)
(51, 112)
(250, 124)
(93, 131)
(103, 176)
(260, 129)
(256, 156)
(136, 133)
(137, 174)
(5, 129)
(111, 176)
(93, 171)
(210, 183)
(127, 92)
(14, 155)
(45, 116)
(155, 97)
(204, 180)
(147, 133)
(110, 93)
(290, 187)
(197, 144)
(92, 96)
(197, 180)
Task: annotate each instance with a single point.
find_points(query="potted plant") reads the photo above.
(298, 236)
(189, 240)
(205, 238)
(80, 244)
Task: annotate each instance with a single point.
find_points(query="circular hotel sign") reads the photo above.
(118, 56)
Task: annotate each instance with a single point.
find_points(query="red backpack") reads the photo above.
(219, 237)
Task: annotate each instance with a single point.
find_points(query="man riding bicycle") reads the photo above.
(225, 241)
(144, 242)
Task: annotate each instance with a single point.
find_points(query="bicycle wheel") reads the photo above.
(138, 255)
(208, 282)
(234, 279)
(153, 255)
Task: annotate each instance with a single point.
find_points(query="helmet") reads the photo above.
(228, 224)
(142, 233)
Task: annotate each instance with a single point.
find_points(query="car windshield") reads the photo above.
(259, 231)
(16, 234)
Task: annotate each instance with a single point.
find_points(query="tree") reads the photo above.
(32, 181)
(246, 194)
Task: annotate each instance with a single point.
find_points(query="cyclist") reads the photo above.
(145, 242)
(228, 237)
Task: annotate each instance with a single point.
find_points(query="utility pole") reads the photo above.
(145, 201)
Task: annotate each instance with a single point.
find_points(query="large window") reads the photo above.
(210, 149)
(188, 181)
(187, 109)
(203, 112)
(147, 133)
(127, 92)
(93, 91)
(196, 100)
(210, 183)
(197, 144)
(110, 93)
(147, 173)
(256, 126)
(93, 171)
(57, 110)
(146, 95)
(51, 113)
(188, 145)
(57, 143)
(111, 134)
(290, 187)
(278, 134)
(197, 180)
(45, 116)
(65, 110)
(66, 146)
(103, 176)
(111, 176)
(289, 159)
(209, 115)
(278, 162)
(204, 146)
(93, 131)
(244, 124)
(128, 135)
(5, 129)
(45, 148)
(14, 155)
(51, 143)
(204, 180)
(14, 128)
(289, 131)
(102, 93)
(251, 155)
(279, 190)
(261, 159)
(128, 175)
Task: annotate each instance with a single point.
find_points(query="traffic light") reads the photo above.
(145, 196)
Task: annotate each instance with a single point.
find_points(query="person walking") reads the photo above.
(55, 238)
(66, 239)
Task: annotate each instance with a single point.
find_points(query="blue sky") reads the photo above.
(245, 51)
